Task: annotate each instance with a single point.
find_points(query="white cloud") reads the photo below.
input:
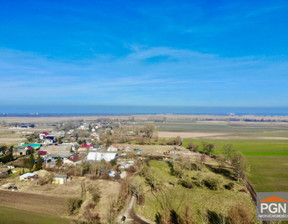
(191, 78)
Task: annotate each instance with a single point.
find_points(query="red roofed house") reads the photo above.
(43, 135)
(42, 153)
(72, 160)
(29, 147)
(85, 147)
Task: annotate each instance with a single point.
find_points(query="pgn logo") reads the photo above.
(272, 206)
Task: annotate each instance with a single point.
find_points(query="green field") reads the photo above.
(16, 216)
(268, 160)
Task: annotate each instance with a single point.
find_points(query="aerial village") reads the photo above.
(104, 170)
(61, 150)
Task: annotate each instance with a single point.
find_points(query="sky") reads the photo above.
(144, 53)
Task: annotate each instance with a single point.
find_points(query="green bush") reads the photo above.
(73, 205)
(229, 186)
(211, 183)
(187, 183)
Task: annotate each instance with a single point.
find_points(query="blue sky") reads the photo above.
(170, 53)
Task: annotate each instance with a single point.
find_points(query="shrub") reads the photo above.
(197, 182)
(211, 183)
(73, 205)
(177, 171)
(239, 214)
(229, 186)
(215, 218)
(132, 169)
(113, 162)
(187, 183)
(192, 146)
(95, 193)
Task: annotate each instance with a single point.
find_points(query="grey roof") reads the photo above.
(60, 175)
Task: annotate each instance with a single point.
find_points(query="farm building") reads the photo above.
(99, 156)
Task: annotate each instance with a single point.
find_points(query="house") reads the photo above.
(74, 145)
(99, 156)
(72, 160)
(28, 176)
(34, 146)
(60, 179)
(43, 135)
(112, 148)
(42, 153)
(49, 139)
(85, 147)
(19, 151)
(62, 155)
(54, 149)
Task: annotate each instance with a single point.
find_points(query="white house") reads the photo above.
(112, 148)
(99, 156)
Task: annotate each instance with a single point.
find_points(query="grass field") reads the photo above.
(268, 160)
(16, 216)
(239, 128)
(198, 199)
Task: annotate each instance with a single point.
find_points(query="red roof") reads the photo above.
(42, 153)
(86, 146)
(74, 158)
(45, 133)
(114, 145)
(29, 147)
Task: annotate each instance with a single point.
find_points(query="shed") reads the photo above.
(60, 179)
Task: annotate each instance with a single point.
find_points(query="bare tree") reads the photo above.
(149, 130)
(239, 163)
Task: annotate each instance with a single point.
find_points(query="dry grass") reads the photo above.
(33, 202)
(47, 194)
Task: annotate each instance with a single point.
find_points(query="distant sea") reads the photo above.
(80, 110)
